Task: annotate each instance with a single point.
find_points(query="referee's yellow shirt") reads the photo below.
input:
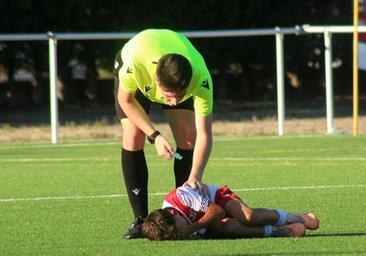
(140, 56)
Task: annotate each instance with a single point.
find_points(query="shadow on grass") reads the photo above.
(337, 234)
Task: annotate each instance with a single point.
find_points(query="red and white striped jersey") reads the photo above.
(190, 202)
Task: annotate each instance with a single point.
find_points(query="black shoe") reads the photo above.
(135, 230)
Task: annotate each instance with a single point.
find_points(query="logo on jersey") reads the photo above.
(136, 191)
(148, 88)
(205, 84)
(129, 70)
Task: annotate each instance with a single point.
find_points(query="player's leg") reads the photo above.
(233, 228)
(239, 210)
(182, 123)
(260, 216)
(277, 221)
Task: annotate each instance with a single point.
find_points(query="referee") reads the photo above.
(162, 66)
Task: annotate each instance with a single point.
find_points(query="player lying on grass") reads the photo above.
(220, 214)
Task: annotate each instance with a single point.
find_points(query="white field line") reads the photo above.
(87, 143)
(111, 142)
(63, 198)
(101, 159)
(60, 145)
(63, 159)
(289, 158)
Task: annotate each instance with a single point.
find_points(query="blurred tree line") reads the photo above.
(242, 68)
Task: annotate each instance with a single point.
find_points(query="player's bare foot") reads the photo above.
(310, 220)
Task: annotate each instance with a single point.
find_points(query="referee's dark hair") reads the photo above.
(174, 72)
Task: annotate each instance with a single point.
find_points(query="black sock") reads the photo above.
(182, 168)
(135, 174)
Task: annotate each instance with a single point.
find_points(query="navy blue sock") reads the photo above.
(135, 174)
(182, 168)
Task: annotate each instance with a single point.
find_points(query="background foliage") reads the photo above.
(243, 68)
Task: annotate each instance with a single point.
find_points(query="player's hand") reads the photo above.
(163, 147)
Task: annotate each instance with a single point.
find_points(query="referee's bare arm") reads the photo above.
(202, 149)
(134, 111)
(137, 116)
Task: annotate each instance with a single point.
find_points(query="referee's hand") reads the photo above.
(197, 184)
(163, 147)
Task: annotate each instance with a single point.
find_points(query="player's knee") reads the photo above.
(249, 215)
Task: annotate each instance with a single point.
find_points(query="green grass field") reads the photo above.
(69, 199)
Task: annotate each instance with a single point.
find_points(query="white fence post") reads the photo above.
(280, 81)
(329, 80)
(52, 44)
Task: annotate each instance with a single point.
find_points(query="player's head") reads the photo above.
(174, 73)
(160, 225)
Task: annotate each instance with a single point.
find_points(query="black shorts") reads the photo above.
(140, 97)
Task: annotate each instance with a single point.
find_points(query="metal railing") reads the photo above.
(278, 32)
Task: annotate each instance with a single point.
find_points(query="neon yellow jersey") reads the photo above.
(140, 56)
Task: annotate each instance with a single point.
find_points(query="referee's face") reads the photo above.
(172, 98)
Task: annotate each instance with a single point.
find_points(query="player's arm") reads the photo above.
(137, 115)
(213, 215)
